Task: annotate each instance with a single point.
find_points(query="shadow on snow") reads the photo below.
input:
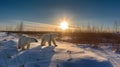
(85, 63)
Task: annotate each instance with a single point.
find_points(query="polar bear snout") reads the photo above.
(36, 40)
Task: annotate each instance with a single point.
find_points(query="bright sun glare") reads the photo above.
(64, 25)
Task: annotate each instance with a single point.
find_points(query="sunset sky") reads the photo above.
(97, 12)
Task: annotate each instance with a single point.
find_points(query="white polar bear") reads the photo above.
(25, 41)
(48, 38)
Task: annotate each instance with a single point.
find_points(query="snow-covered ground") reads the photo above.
(64, 55)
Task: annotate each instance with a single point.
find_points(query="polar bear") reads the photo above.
(50, 37)
(25, 41)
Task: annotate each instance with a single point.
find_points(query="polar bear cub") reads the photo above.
(25, 41)
(50, 37)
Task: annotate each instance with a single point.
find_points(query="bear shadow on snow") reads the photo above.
(38, 56)
(85, 63)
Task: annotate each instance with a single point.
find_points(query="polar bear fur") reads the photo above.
(50, 37)
(25, 41)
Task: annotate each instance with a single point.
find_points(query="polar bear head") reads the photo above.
(54, 35)
(33, 40)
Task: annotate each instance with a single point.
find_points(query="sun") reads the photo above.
(64, 25)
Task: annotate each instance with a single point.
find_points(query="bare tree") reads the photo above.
(89, 27)
(101, 28)
(115, 26)
(21, 27)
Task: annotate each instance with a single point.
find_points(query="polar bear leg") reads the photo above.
(19, 47)
(19, 44)
(23, 47)
(49, 42)
(43, 42)
(28, 46)
(54, 42)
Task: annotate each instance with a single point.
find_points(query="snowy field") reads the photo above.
(64, 55)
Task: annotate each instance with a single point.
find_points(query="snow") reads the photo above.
(64, 55)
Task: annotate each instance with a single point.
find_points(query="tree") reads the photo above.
(115, 27)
